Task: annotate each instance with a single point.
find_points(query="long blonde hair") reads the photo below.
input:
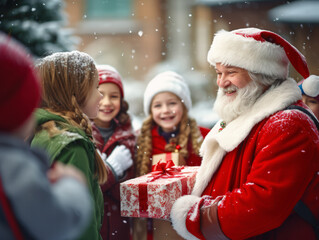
(188, 131)
(67, 78)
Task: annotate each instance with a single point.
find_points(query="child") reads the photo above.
(167, 102)
(70, 97)
(168, 128)
(113, 132)
(25, 178)
(310, 93)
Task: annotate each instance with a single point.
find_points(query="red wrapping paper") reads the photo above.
(152, 196)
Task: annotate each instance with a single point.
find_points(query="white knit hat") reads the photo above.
(167, 82)
(310, 86)
(258, 51)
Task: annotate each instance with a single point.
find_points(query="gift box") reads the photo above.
(174, 156)
(153, 195)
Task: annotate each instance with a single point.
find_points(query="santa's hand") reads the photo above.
(179, 215)
(196, 218)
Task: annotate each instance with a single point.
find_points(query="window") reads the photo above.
(108, 8)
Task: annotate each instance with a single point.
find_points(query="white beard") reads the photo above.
(229, 109)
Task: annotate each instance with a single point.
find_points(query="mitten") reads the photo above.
(120, 160)
(102, 155)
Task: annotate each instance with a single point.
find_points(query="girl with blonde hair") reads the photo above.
(168, 128)
(70, 97)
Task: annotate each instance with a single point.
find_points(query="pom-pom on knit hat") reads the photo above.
(20, 86)
(108, 74)
(168, 81)
(258, 51)
(310, 87)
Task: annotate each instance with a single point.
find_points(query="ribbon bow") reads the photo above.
(164, 169)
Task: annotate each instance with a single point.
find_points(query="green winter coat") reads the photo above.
(73, 147)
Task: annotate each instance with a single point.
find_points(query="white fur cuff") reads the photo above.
(179, 213)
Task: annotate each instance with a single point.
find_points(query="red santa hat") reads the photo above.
(310, 87)
(20, 86)
(168, 81)
(257, 51)
(108, 74)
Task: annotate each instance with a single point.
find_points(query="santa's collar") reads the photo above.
(273, 100)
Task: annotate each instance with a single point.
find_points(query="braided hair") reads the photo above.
(67, 78)
(188, 131)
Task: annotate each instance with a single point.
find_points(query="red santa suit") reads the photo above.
(260, 165)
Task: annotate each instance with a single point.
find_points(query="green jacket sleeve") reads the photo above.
(78, 155)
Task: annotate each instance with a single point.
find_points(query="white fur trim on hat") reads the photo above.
(258, 56)
(167, 82)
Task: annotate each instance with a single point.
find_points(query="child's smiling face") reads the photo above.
(110, 104)
(167, 111)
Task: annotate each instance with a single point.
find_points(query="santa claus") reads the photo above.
(259, 177)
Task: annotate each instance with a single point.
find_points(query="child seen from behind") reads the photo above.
(70, 97)
(36, 201)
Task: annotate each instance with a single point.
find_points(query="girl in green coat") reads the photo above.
(70, 97)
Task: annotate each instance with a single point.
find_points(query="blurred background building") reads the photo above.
(143, 37)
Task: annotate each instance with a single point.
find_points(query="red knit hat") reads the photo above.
(258, 51)
(109, 74)
(20, 86)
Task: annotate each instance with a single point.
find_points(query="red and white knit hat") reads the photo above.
(257, 51)
(108, 74)
(20, 86)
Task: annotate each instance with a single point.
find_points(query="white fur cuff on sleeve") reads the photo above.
(179, 213)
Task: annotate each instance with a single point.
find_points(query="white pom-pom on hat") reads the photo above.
(310, 86)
